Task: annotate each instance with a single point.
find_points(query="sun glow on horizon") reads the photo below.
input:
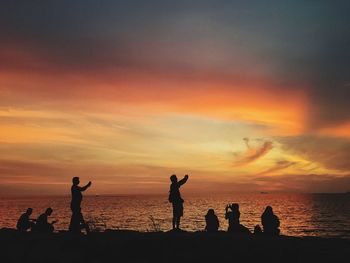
(238, 101)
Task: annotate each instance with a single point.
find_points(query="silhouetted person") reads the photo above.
(270, 222)
(233, 216)
(257, 230)
(24, 223)
(77, 222)
(212, 221)
(176, 200)
(42, 225)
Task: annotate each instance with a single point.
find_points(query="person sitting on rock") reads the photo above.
(42, 224)
(212, 221)
(233, 216)
(24, 223)
(270, 222)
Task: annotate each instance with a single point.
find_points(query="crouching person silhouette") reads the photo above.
(24, 223)
(212, 221)
(176, 200)
(42, 225)
(77, 222)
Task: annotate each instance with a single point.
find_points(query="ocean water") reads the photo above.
(326, 215)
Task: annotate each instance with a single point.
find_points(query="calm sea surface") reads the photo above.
(300, 214)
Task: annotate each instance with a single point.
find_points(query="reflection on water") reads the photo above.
(300, 214)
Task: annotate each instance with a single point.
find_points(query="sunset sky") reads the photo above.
(241, 95)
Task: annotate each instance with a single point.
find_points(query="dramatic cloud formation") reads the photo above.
(128, 92)
(333, 153)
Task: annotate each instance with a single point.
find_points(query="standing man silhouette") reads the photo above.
(176, 200)
(77, 221)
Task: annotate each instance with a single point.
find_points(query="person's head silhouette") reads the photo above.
(48, 211)
(75, 180)
(234, 207)
(173, 178)
(268, 210)
(210, 212)
(29, 211)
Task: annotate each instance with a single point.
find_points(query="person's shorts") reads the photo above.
(178, 209)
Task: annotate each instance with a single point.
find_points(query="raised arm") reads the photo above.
(183, 180)
(82, 189)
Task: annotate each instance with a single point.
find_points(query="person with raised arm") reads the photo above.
(232, 214)
(77, 222)
(176, 199)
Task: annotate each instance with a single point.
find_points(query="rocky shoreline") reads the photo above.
(132, 246)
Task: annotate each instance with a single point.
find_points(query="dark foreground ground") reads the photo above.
(129, 246)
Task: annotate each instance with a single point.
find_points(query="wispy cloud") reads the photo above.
(279, 165)
(252, 153)
(330, 152)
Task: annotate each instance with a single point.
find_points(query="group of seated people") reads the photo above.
(40, 225)
(269, 221)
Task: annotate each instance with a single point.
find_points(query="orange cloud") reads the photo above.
(337, 131)
(252, 153)
(278, 166)
(259, 103)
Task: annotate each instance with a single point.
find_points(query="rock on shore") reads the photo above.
(180, 247)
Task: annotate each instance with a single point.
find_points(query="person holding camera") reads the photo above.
(232, 214)
(176, 199)
(77, 221)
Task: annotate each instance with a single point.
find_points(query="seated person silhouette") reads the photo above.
(77, 222)
(257, 230)
(233, 216)
(24, 223)
(176, 200)
(270, 222)
(42, 225)
(212, 221)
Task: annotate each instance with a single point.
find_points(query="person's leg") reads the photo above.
(51, 229)
(180, 212)
(74, 225)
(83, 224)
(174, 216)
(32, 226)
(25, 228)
(178, 222)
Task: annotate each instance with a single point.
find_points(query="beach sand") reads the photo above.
(131, 246)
